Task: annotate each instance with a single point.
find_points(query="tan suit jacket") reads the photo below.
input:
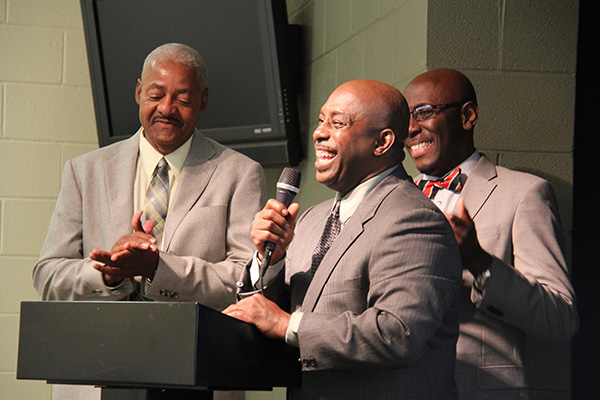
(380, 314)
(207, 232)
(529, 292)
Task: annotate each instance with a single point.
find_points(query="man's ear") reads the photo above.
(138, 91)
(469, 114)
(203, 100)
(385, 141)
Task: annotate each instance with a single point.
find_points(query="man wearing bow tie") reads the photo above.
(515, 279)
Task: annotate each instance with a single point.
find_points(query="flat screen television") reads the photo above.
(251, 54)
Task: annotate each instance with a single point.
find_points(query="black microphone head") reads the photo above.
(288, 187)
(290, 177)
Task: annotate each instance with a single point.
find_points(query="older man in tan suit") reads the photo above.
(192, 244)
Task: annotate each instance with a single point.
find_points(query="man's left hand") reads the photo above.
(257, 310)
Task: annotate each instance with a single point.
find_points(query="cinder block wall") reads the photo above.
(520, 57)
(46, 117)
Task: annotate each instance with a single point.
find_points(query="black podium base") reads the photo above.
(110, 393)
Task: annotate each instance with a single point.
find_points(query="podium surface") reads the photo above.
(149, 345)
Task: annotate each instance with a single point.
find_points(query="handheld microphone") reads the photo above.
(288, 186)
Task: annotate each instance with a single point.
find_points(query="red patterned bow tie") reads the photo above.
(451, 182)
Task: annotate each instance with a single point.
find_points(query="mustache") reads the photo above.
(325, 147)
(325, 144)
(166, 118)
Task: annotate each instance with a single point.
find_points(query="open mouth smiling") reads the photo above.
(325, 156)
(419, 148)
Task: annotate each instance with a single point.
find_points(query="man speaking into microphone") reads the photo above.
(372, 276)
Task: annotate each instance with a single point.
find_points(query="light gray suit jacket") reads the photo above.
(529, 292)
(207, 232)
(381, 312)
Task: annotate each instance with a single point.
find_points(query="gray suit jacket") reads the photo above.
(207, 232)
(380, 314)
(529, 292)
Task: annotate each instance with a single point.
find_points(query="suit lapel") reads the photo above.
(119, 177)
(352, 230)
(479, 186)
(195, 176)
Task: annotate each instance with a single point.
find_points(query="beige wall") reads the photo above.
(520, 55)
(46, 117)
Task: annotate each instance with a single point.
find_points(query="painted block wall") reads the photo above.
(46, 117)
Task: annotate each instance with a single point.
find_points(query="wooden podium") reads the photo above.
(149, 350)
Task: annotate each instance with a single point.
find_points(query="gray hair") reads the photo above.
(180, 54)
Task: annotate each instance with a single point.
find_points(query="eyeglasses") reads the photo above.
(427, 111)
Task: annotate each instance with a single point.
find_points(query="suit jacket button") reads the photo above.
(163, 292)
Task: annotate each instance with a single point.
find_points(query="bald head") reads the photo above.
(449, 84)
(383, 104)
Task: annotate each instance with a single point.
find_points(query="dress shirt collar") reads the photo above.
(149, 156)
(350, 202)
(465, 168)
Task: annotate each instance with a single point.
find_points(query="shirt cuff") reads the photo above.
(478, 289)
(254, 269)
(114, 287)
(291, 334)
(271, 273)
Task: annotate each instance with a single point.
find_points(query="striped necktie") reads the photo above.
(157, 198)
(332, 229)
(450, 181)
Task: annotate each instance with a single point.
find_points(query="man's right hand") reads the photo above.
(135, 254)
(474, 258)
(274, 223)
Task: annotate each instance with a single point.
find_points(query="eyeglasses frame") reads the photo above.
(437, 109)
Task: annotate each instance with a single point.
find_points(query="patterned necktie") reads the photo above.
(451, 182)
(157, 198)
(330, 232)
